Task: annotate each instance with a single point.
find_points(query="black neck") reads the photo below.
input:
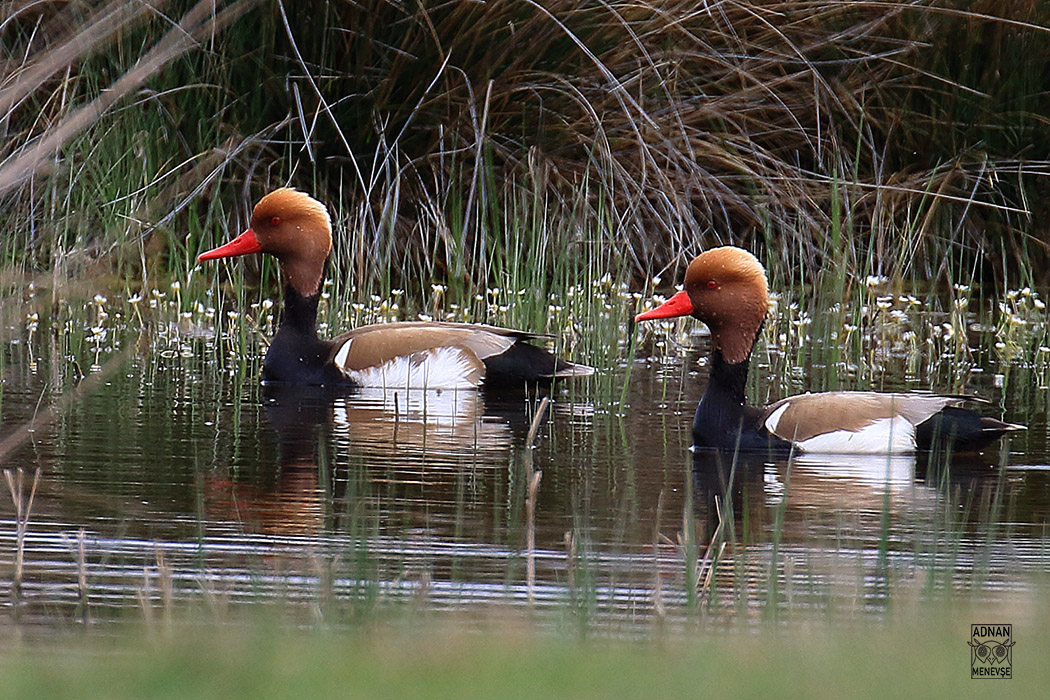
(296, 354)
(728, 381)
(300, 313)
(723, 420)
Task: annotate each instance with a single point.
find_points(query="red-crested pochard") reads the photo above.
(726, 289)
(296, 229)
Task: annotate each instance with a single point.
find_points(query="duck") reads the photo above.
(726, 289)
(296, 229)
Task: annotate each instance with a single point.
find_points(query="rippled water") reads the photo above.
(165, 479)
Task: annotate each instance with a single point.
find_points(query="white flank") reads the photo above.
(340, 357)
(774, 418)
(440, 368)
(885, 436)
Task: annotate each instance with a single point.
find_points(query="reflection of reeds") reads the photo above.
(23, 433)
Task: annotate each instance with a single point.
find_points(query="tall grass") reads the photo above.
(466, 144)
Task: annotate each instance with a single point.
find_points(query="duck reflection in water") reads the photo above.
(335, 447)
(821, 492)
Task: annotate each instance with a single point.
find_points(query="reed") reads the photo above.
(519, 145)
(23, 503)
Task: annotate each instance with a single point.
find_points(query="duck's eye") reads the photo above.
(711, 284)
(275, 221)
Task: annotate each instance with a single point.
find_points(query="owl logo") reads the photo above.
(991, 651)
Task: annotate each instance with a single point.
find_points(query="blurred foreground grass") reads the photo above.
(905, 655)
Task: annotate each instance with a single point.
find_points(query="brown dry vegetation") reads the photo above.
(888, 137)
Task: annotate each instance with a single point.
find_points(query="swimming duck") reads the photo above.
(297, 230)
(726, 288)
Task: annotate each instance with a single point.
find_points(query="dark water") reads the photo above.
(169, 479)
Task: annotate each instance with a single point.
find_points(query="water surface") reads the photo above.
(171, 477)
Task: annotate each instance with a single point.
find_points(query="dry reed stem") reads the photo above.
(82, 587)
(79, 550)
(534, 427)
(570, 564)
(200, 22)
(145, 596)
(707, 568)
(84, 38)
(23, 508)
(167, 587)
(658, 588)
(530, 534)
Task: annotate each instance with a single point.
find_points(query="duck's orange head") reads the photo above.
(293, 227)
(725, 288)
